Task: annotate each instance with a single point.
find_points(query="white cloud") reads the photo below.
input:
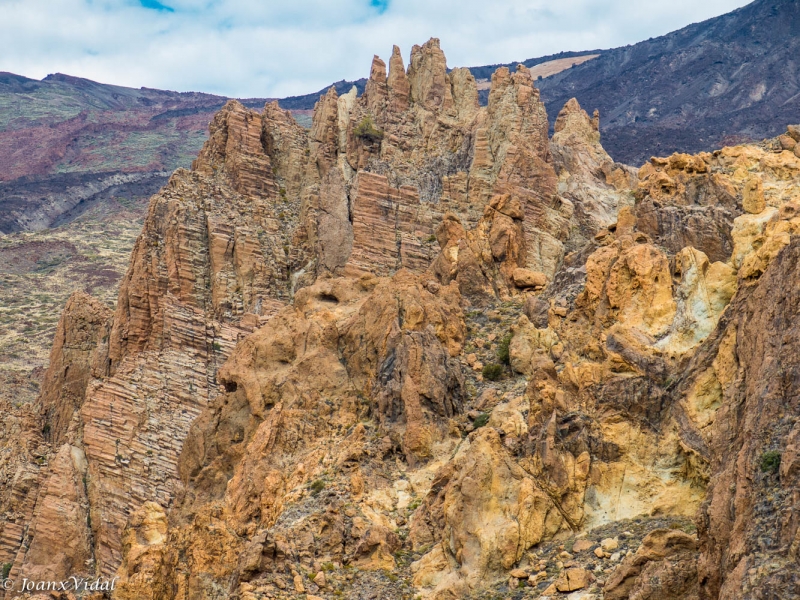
(258, 48)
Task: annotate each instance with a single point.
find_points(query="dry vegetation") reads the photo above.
(39, 271)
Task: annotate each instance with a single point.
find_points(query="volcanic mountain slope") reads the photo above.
(730, 79)
(425, 350)
(67, 141)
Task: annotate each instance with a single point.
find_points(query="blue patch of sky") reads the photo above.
(381, 5)
(226, 24)
(156, 5)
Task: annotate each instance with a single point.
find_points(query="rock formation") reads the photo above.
(422, 349)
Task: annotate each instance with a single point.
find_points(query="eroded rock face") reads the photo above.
(209, 264)
(296, 391)
(489, 513)
(83, 325)
(664, 567)
(422, 338)
(596, 185)
(45, 533)
(747, 537)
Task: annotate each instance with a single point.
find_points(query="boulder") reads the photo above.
(525, 278)
(573, 579)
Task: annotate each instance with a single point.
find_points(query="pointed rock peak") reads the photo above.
(500, 78)
(232, 105)
(523, 76)
(378, 71)
(375, 90)
(397, 70)
(514, 87)
(325, 116)
(465, 91)
(235, 133)
(427, 76)
(399, 87)
(573, 119)
(324, 106)
(325, 111)
(432, 43)
(220, 120)
(572, 107)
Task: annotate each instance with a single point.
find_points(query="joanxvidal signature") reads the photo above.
(71, 584)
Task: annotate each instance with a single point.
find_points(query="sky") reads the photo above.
(271, 48)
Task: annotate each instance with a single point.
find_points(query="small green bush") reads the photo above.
(492, 371)
(481, 420)
(771, 461)
(366, 130)
(503, 354)
(316, 487)
(6, 570)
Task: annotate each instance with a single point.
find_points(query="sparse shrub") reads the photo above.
(492, 371)
(503, 354)
(771, 461)
(216, 346)
(481, 420)
(366, 130)
(6, 570)
(316, 487)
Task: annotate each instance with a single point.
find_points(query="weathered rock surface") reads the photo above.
(208, 256)
(410, 349)
(664, 567)
(44, 530)
(747, 533)
(83, 325)
(290, 396)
